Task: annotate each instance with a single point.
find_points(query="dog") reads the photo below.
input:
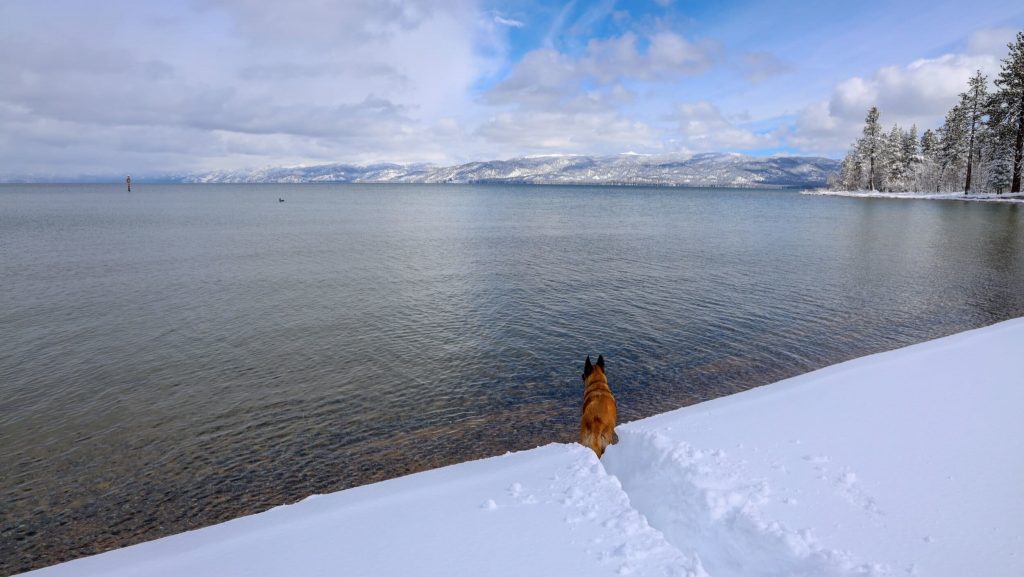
(597, 421)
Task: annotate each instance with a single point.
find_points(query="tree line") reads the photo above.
(979, 146)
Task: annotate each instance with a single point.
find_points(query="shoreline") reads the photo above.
(1005, 198)
(809, 475)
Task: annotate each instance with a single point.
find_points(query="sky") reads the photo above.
(146, 87)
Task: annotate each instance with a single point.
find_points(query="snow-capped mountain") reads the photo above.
(707, 169)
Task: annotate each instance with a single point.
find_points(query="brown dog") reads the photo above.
(597, 423)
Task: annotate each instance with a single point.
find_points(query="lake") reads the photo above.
(184, 354)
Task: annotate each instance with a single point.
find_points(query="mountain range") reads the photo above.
(704, 169)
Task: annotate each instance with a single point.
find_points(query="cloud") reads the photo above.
(284, 72)
(498, 18)
(542, 78)
(349, 80)
(919, 93)
(760, 66)
(549, 79)
(671, 55)
(990, 41)
(704, 128)
(552, 101)
(668, 57)
(152, 86)
(539, 132)
(319, 23)
(548, 74)
(593, 14)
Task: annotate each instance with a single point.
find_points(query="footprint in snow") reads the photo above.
(848, 486)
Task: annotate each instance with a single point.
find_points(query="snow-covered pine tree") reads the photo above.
(952, 148)
(1009, 98)
(928, 177)
(895, 176)
(911, 157)
(973, 104)
(1001, 133)
(850, 173)
(1000, 173)
(869, 147)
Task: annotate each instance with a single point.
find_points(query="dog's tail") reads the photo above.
(597, 435)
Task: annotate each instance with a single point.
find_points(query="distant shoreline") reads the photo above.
(702, 169)
(1006, 198)
(139, 182)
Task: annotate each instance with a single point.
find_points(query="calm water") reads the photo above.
(182, 355)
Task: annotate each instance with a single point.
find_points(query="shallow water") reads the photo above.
(186, 354)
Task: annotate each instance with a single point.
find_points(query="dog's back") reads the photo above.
(597, 422)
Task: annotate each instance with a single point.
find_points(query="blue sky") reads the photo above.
(112, 87)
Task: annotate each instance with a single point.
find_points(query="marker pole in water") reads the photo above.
(128, 181)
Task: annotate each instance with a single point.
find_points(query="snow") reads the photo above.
(548, 511)
(902, 463)
(907, 462)
(672, 169)
(973, 197)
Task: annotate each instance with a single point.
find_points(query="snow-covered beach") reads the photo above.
(902, 463)
(1010, 198)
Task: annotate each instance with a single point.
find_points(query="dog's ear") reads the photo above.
(600, 362)
(587, 368)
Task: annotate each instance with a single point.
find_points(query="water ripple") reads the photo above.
(187, 354)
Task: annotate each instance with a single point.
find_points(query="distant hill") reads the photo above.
(707, 169)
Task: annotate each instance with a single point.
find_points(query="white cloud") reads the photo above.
(548, 75)
(668, 56)
(990, 41)
(539, 132)
(704, 128)
(554, 102)
(337, 81)
(919, 93)
(672, 55)
(146, 86)
(498, 18)
(542, 78)
(760, 66)
(327, 24)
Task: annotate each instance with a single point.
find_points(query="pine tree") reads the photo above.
(1010, 98)
(929, 161)
(929, 143)
(1001, 132)
(952, 147)
(850, 174)
(1000, 174)
(870, 146)
(973, 104)
(895, 167)
(911, 155)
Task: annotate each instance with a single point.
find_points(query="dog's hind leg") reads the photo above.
(592, 435)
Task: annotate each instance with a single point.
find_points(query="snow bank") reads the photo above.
(973, 197)
(909, 462)
(903, 463)
(549, 511)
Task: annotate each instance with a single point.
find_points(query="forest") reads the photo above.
(978, 148)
